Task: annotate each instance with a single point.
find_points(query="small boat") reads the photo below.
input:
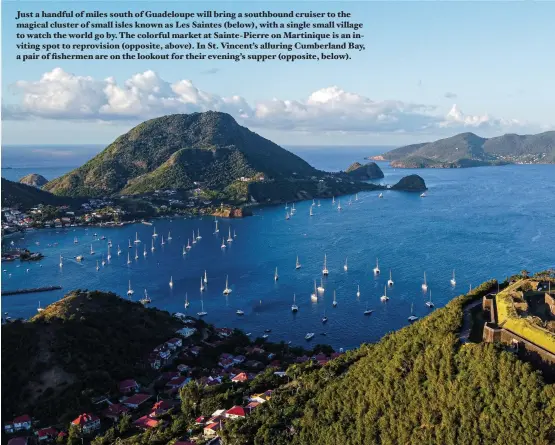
(144, 250)
(356, 196)
(229, 238)
(287, 216)
(75, 240)
(223, 246)
(429, 303)
(201, 286)
(102, 237)
(380, 195)
(79, 258)
(294, 307)
(453, 280)
(239, 312)
(129, 290)
(119, 250)
(319, 205)
(248, 334)
(310, 213)
(265, 336)
(325, 270)
(40, 309)
(390, 281)
(358, 291)
(412, 317)
(97, 266)
(217, 230)
(154, 234)
(234, 234)
(334, 300)
(384, 297)
(321, 287)
(286, 206)
(267, 330)
(339, 205)
(171, 281)
(169, 236)
(423, 195)
(92, 250)
(202, 313)
(128, 258)
(367, 311)
(184, 251)
(350, 202)
(61, 261)
(186, 300)
(333, 200)
(314, 295)
(324, 318)
(109, 243)
(188, 244)
(152, 248)
(109, 256)
(345, 267)
(129, 244)
(377, 268)
(227, 290)
(297, 264)
(137, 240)
(276, 276)
(136, 254)
(146, 299)
(293, 209)
(309, 336)
(424, 284)
(103, 261)
(313, 203)
(162, 242)
(205, 279)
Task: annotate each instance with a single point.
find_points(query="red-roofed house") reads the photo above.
(160, 408)
(212, 429)
(136, 400)
(128, 386)
(239, 378)
(23, 422)
(251, 406)
(225, 363)
(200, 420)
(168, 375)
(235, 412)
(87, 423)
(47, 434)
(177, 382)
(115, 411)
(146, 422)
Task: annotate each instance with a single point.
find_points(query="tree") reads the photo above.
(124, 423)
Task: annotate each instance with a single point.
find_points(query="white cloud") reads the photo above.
(65, 96)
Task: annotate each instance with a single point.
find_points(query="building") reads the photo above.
(240, 378)
(136, 400)
(146, 423)
(87, 423)
(21, 423)
(128, 386)
(160, 408)
(47, 434)
(115, 411)
(235, 412)
(212, 429)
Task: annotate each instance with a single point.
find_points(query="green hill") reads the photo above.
(33, 179)
(175, 151)
(418, 386)
(77, 348)
(24, 196)
(470, 150)
(365, 172)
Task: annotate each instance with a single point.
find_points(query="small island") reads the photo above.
(34, 180)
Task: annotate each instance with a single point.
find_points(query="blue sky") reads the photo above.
(431, 69)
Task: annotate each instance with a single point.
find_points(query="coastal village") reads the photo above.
(200, 357)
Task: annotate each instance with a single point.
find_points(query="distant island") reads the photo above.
(34, 180)
(469, 150)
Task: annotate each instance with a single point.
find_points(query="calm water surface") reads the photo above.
(483, 222)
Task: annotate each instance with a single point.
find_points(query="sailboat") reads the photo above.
(223, 246)
(227, 290)
(97, 266)
(201, 285)
(198, 234)
(287, 216)
(188, 244)
(169, 236)
(184, 251)
(423, 195)
(309, 336)
(321, 287)
(356, 196)
(453, 280)
(119, 250)
(136, 253)
(390, 281)
(345, 267)
(384, 297)
(162, 242)
(333, 200)
(325, 270)
(358, 291)
(229, 238)
(186, 301)
(129, 244)
(350, 202)
(276, 276)
(314, 295)
(202, 313)
(377, 268)
(313, 203)
(74, 242)
(380, 195)
(429, 303)
(310, 212)
(129, 290)
(128, 258)
(293, 209)
(367, 311)
(171, 281)
(286, 206)
(152, 248)
(217, 230)
(146, 299)
(424, 284)
(61, 261)
(297, 264)
(334, 300)
(103, 261)
(137, 240)
(154, 234)
(319, 203)
(412, 317)
(109, 256)
(234, 234)
(205, 277)
(109, 243)
(144, 250)
(324, 318)
(239, 312)
(294, 307)
(339, 205)
(92, 250)
(40, 309)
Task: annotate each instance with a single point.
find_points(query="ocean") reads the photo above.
(487, 222)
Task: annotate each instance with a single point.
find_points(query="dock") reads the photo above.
(30, 291)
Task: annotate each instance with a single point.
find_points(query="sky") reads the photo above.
(431, 70)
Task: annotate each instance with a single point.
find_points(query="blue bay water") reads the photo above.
(484, 222)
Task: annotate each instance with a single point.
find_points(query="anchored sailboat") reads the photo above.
(314, 295)
(144, 250)
(227, 290)
(171, 281)
(339, 205)
(358, 291)
(97, 266)
(186, 301)
(201, 285)
(287, 216)
(345, 267)
(154, 234)
(146, 299)
(61, 261)
(205, 277)
(188, 244)
(137, 240)
(202, 313)
(223, 246)
(129, 244)
(276, 276)
(384, 297)
(319, 203)
(92, 250)
(334, 300)
(453, 280)
(40, 309)
(119, 250)
(424, 284)
(109, 256)
(321, 287)
(130, 291)
(324, 318)
(198, 234)
(136, 254)
(169, 236)
(390, 281)
(377, 268)
(152, 248)
(333, 200)
(325, 270)
(229, 238)
(380, 195)
(297, 264)
(310, 212)
(162, 242)
(412, 317)
(294, 307)
(216, 230)
(429, 303)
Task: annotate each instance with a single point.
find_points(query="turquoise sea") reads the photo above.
(482, 222)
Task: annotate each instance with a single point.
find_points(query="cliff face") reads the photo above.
(411, 183)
